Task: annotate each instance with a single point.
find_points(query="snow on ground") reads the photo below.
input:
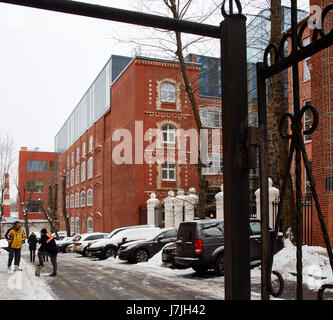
(316, 266)
(21, 285)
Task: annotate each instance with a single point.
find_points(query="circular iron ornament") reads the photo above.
(315, 115)
(285, 37)
(323, 17)
(283, 119)
(224, 11)
(279, 49)
(281, 285)
(276, 49)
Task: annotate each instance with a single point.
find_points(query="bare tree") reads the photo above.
(24, 203)
(6, 160)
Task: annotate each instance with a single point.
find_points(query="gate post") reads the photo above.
(235, 171)
(152, 202)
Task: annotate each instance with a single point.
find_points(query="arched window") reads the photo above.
(77, 175)
(72, 177)
(89, 197)
(168, 134)
(72, 225)
(83, 171)
(77, 225)
(67, 202)
(83, 199)
(90, 225)
(72, 201)
(77, 200)
(168, 92)
(90, 167)
(67, 179)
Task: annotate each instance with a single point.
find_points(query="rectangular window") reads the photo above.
(329, 183)
(214, 165)
(35, 186)
(307, 122)
(91, 143)
(306, 70)
(211, 118)
(53, 166)
(67, 162)
(72, 158)
(83, 149)
(34, 206)
(77, 174)
(77, 154)
(37, 166)
(168, 172)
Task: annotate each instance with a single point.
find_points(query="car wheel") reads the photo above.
(84, 253)
(110, 252)
(200, 269)
(219, 265)
(141, 256)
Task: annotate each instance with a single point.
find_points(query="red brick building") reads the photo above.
(322, 138)
(36, 170)
(105, 191)
(6, 198)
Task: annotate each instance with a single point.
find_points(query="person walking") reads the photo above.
(32, 246)
(15, 237)
(48, 245)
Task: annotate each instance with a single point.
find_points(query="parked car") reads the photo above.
(63, 245)
(143, 250)
(106, 248)
(169, 252)
(82, 241)
(200, 244)
(61, 235)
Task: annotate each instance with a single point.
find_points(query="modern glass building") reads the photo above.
(93, 104)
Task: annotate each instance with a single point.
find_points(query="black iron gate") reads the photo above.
(320, 41)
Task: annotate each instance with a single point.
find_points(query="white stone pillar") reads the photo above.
(273, 195)
(191, 201)
(169, 210)
(151, 204)
(179, 204)
(220, 204)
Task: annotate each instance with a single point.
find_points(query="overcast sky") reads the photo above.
(47, 62)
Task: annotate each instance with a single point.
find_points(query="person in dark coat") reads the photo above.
(32, 246)
(48, 245)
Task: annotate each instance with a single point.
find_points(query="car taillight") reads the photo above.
(198, 247)
(78, 243)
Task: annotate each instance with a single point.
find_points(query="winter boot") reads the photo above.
(54, 274)
(17, 268)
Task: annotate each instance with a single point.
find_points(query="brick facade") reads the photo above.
(119, 190)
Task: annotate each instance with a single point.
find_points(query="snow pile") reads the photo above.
(316, 267)
(21, 285)
(3, 243)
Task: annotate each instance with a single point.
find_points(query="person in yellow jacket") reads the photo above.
(15, 238)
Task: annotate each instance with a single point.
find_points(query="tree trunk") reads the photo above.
(279, 106)
(203, 183)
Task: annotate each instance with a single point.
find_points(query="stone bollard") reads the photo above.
(169, 210)
(220, 204)
(152, 203)
(191, 201)
(273, 195)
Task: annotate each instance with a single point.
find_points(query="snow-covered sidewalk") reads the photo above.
(21, 285)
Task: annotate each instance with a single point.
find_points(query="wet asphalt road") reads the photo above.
(78, 279)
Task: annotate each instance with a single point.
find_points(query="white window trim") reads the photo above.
(72, 177)
(77, 175)
(170, 129)
(83, 172)
(90, 230)
(90, 203)
(90, 171)
(77, 225)
(82, 193)
(77, 200)
(168, 170)
(165, 87)
(72, 201)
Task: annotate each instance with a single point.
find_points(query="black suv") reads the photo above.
(143, 250)
(200, 244)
